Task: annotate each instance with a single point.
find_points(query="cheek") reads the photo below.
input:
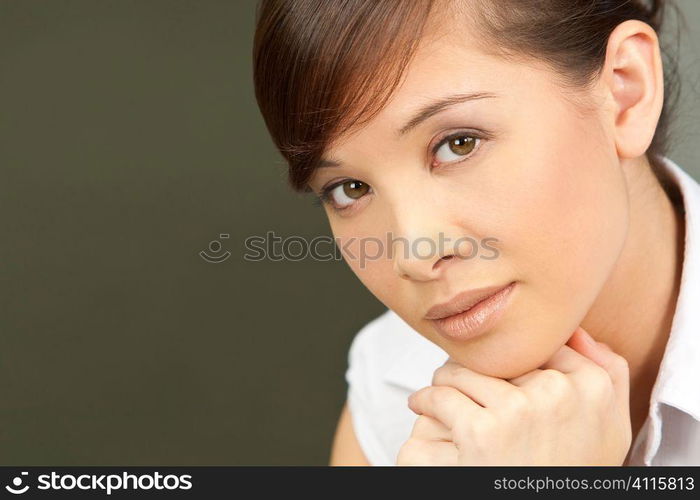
(564, 223)
(573, 217)
(367, 256)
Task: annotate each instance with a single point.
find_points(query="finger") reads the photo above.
(525, 378)
(429, 429)
(566, 360)
(418, 452)
(582, 342)
(601, 354)
(445, 404)
(486, 391)
(578, 363)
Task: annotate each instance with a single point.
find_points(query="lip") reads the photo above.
(470, 313)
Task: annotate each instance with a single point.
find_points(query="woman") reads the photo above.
(495, 174)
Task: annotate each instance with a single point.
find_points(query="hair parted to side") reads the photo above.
(324, 67)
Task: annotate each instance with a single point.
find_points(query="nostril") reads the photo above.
(440, 261)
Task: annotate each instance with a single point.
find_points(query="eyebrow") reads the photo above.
(430, 109)
(439, 105)
(327, 163)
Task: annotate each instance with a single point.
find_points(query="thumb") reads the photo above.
(601, 354)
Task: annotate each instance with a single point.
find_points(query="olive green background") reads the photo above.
(129, 140)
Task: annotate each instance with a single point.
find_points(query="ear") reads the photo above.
(633, 78)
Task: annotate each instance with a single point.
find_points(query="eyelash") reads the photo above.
(473, 134)
(325, 196)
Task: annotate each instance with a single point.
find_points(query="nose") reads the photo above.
(413, 271)
(420, 248)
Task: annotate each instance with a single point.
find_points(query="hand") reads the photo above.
(574, 410)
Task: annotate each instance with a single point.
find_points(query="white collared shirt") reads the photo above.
(389, 360)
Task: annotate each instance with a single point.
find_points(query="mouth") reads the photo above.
(470, 313)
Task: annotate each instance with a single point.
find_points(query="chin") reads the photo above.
(505, 353)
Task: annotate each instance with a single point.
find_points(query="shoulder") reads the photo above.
(391, 351)
(386, 336)
(387, 361)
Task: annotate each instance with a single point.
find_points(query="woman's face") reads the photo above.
(527, 175)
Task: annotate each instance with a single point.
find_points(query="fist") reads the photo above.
(573, 410)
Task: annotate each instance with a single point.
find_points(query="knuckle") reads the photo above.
(517, 402)
(462, 430)
(440, 395)
(485, 426)
(481, 433)
(554, 383)
(421, 425)
(598, 381)
(417, 452)
(446, 374)
(410, 453)
(440, 375)
(476, 428)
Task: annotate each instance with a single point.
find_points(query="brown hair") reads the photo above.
(322, 67)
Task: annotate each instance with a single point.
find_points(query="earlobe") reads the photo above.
(635, 74)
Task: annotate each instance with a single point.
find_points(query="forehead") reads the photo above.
(451, 58)
(448, 61)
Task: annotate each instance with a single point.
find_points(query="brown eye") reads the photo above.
(355, 189)
(344, 194)
(455, 148)
(462, 146)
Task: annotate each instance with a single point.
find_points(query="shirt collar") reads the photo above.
(679, 371)
(407, 368)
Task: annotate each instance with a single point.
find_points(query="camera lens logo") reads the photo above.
(215, 248)
(17, 483)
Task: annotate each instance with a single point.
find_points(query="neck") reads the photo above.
(635, 309)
